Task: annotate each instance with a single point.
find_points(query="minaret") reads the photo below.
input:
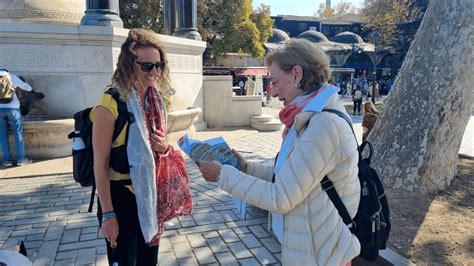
(328, 3)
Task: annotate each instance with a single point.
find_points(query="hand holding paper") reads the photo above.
(215, 149)
(210, 155)
(210, 170)
(241, 160)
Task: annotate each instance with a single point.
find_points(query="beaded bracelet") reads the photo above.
(108, 215)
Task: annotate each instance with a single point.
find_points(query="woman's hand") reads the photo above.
(242, 162)
(110, 230)
(210, 170)
(158, 142)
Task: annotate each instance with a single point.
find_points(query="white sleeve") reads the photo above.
(18, 83)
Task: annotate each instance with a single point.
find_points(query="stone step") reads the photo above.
(273, 125)
(261, 118)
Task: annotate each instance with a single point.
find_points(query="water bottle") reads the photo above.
(78, 143)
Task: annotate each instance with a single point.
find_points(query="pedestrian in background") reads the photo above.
(10, 116)
(250, 86)
(357, 99)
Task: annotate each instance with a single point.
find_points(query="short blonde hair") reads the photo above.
(313, 61)
(124, 73)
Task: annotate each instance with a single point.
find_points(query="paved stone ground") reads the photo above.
(42, 205)
(49, 212)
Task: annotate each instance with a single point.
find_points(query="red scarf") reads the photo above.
(289, 112)
(172, 182)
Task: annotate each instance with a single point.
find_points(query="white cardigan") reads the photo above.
(313, 231)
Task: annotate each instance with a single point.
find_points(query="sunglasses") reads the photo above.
(147, 66)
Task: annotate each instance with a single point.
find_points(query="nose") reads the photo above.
(154, 70)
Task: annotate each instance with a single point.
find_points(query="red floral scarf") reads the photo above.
(174, 195)
(289, 112)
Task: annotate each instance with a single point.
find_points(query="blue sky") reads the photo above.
(299, 7)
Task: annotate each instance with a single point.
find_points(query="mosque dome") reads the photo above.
(278, 36)
(347, 37)
(313, 36)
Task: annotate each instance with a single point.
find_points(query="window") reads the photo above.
(302, 26)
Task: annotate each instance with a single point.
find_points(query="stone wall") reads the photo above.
(222, 109)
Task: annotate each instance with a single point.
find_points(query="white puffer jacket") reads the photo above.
(314, 233)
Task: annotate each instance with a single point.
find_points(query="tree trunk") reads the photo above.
(419, 132)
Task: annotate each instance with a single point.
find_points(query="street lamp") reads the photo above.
(356, 49)
(376, 37)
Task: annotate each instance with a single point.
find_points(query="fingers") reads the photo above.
(242, 162)
(158, 143)
(209, 170)
(160, 133)
(237, 154)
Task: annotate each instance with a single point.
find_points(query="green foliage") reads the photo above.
(233, 27)
(261, 18)
(342, 8)
(142, 14)
(227, 26)
(384, 16)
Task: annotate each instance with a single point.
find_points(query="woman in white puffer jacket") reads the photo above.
(315, 144)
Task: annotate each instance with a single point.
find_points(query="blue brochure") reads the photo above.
(215, 149)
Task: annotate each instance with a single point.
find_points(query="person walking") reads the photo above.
(10, 116)
(132, 214)
(269, 92)
(375, 92)
(322, 144)
(250, 86)
(357, 99)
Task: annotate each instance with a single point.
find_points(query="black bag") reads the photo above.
(83, 158)
(371, 224)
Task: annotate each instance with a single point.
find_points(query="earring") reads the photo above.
(297, 85)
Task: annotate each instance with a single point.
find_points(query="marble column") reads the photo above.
(169, 16)
(102, 13)
(186, 19)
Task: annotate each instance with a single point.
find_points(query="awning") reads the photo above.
(252, 71)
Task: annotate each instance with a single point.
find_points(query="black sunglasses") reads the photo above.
(147, 66)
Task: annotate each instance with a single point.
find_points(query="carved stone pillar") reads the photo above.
(169, 16)
(186, 20)
(102, 13)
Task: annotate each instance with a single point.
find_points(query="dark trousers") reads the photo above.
(131, 247)
(357, 104)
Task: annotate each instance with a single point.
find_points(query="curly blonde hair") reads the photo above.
(124, 75)
(313, 61)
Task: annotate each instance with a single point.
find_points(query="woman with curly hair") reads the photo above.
(129, 211)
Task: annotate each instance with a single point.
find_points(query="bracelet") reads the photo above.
(108, 215)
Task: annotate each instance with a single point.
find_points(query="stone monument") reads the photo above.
(68, 51)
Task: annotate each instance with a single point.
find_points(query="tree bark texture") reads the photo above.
(418, 134)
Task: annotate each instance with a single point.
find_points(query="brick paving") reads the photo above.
(42, 205)
(49, 213)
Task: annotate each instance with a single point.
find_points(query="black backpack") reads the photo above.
(83, 159)
(371, 224)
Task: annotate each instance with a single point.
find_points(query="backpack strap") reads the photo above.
(328, 186)
(123, 117)
(344, 116)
